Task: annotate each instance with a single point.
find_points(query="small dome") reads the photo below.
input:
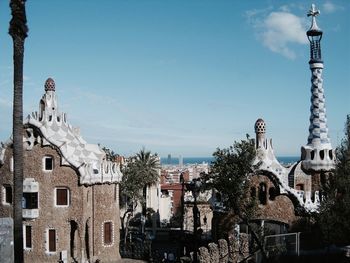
(49, 84)
(260, 126)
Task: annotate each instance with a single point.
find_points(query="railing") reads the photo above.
(30, 213)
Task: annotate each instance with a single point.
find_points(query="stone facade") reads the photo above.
(65, 217)
(271, 204)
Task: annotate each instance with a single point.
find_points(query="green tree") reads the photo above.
(18, 31)
(140, 172)
(110, 154)
(229, 175)
(334, 213)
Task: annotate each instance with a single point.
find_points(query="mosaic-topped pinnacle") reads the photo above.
(314, 29)
(260, 127)
(49, 84)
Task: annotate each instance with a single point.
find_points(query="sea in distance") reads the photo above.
(199, 160)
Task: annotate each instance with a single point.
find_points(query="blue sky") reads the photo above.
(180, 77)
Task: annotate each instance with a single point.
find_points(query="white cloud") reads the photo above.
(282, 29)
(278, 31)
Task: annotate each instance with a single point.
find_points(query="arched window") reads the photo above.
(322, 154)
(262, 194)
(312, 154)
(272, 193)
(330, 154)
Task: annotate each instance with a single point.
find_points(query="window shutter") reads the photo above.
(52, 240)
(108, 233)
(61, 196)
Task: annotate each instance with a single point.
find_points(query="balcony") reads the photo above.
(30, 186)
(30, 213)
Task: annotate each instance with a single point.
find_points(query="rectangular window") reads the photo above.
(28, 237)
(62, 197)
(48, 163)
(7, 194)
(107, 234)
(52, 240)
(30, 201)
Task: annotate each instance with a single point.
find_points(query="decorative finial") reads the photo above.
(313, 12)
(49, 85)
(260, 126)
(314, 29)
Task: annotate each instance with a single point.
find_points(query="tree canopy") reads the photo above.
(140, 171)
(229, 175)
(335, 209)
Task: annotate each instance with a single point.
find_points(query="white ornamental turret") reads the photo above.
(260, 130)
(317, 155)
(48, 103)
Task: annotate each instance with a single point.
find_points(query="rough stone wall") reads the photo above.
(6, 178)
(236, 250)
(105, 209)
(213, 252)
(203, 255)
(79, 211)
(233, 248)
(51, 216)
(280, 208)
(223, 251)
(304, 180)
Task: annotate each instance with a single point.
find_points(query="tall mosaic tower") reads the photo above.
(317, 155)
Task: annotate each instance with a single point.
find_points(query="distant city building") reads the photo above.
(171, 187)
(70, 191)
(169, 159)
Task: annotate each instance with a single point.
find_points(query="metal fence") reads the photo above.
(285, 244)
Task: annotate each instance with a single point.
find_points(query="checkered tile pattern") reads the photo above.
(89, 159)
(318, 130)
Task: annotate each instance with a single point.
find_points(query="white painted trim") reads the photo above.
(25, 239)
(11, 164)
(4, 194)
(103, 232)
(47, 241)
(316, 65)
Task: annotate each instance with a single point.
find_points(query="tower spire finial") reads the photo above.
(313, 12)
(317, 155)
(314, 29)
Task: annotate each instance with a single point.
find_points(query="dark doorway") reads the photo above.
(73, 241)
(87, 243)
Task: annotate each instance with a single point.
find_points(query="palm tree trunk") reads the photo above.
(18, 31)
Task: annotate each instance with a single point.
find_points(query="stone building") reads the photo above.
(286, 192)
(70, 191)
